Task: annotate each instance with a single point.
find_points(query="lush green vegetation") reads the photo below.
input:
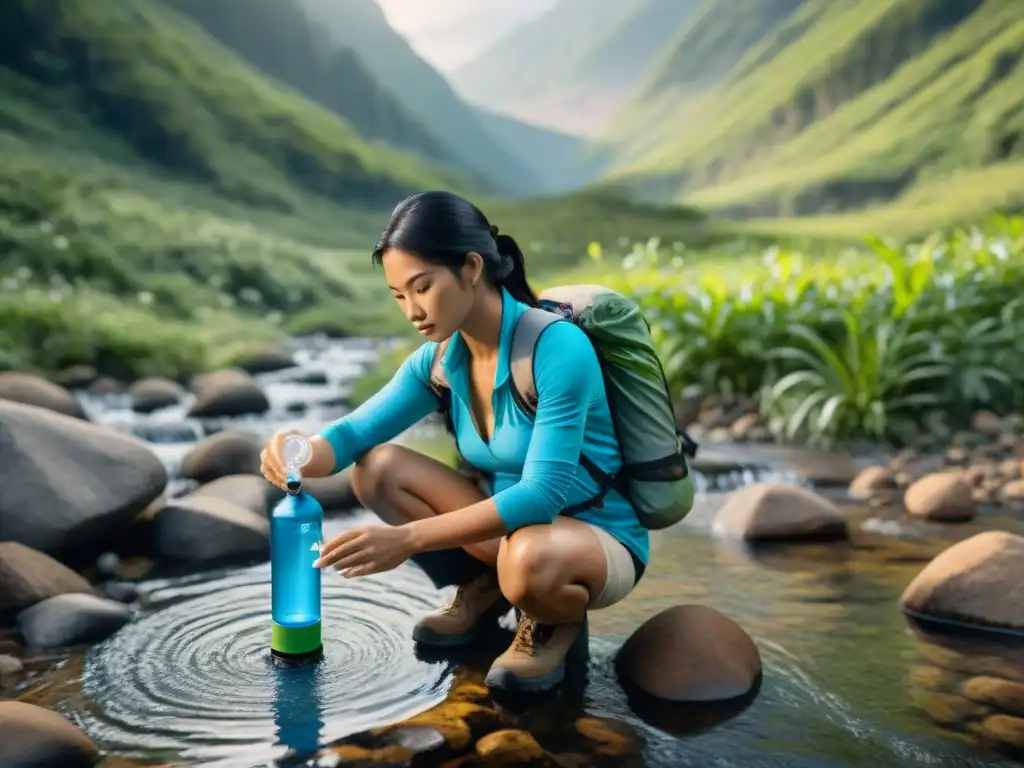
(881, 343)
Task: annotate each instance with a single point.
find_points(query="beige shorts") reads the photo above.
(621, 571)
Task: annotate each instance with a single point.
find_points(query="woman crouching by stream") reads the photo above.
(541, 534)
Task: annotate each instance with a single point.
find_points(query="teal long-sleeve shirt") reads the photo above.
(534, 462)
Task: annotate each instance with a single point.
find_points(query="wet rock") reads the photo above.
(228, 392)
(967, 438)
(28, 576)
(402, 745)
(976, 580)
(606, 738)
(106, 385)
(155, 392)
(718, 435)
(712, 416)
(334, 493)
(904, 479)
(690, 653)
(34, 737)
(459, 722)
(942, 496)
(741, 428)
(67, 620)
(1004, 730)
(10, 668)
(510, 747)
(266, 360)
(1010, 469)
(136, 568)
(986, 423)
(120, 591)
(1010, 445)
(225, 453)
(78, 484)
(1013, 491)
(1005, 695)
(973, 663)
(77, 376)
(956, 456)
(903, 458)
(246, 491)
(932, 678)
(306, 376)
(981, 495)
(774, 511)
(978, 474)
(205, 528)
(872, 480)
(29, 389)
(947, 708)
(108, 564)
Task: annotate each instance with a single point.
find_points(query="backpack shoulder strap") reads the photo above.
(531, 324)
(439, 383)
(438, 377)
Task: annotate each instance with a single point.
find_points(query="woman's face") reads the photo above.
(433, 298)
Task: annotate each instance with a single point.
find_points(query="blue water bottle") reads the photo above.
(296, 534)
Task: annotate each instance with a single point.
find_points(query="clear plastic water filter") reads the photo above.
(296, 535)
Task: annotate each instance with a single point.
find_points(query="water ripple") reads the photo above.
(195, 678)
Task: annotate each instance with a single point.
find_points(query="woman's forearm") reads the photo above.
(321, 463)
(459, 528)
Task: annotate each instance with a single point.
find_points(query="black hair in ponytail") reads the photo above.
(443, 228)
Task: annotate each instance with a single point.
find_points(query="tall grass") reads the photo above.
(882, 343)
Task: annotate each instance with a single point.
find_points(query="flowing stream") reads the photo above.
(191, 682)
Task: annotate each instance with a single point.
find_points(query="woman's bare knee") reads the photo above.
(551, 570)
(401, 485)
(527, 568)
(369, 473)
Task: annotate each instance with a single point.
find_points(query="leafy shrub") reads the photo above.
(878, 343)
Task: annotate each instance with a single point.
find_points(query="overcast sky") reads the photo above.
(448, 33)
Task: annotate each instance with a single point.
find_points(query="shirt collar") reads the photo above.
(455, 355)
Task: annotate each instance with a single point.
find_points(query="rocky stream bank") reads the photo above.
(117, 494)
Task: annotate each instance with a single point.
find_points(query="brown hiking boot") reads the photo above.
(475, 604)
(535, 661)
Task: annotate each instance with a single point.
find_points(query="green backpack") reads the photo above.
(655, 476)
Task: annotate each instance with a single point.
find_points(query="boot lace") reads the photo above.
(530, 635)
(463, 593)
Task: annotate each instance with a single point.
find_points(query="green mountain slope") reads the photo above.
(160, 201)
(278, 38)
(571, 67)
(361, 26)
(839, 107)
(188, 105)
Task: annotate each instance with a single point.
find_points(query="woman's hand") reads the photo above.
(272, 458)
(319, 464)
(368, 549)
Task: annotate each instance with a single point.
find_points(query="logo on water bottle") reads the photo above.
(305, 528)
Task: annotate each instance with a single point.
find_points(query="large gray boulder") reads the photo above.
(33, 737)
(70, 486)
(30, 389)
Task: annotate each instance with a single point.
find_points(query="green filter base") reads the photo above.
(293, 642)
